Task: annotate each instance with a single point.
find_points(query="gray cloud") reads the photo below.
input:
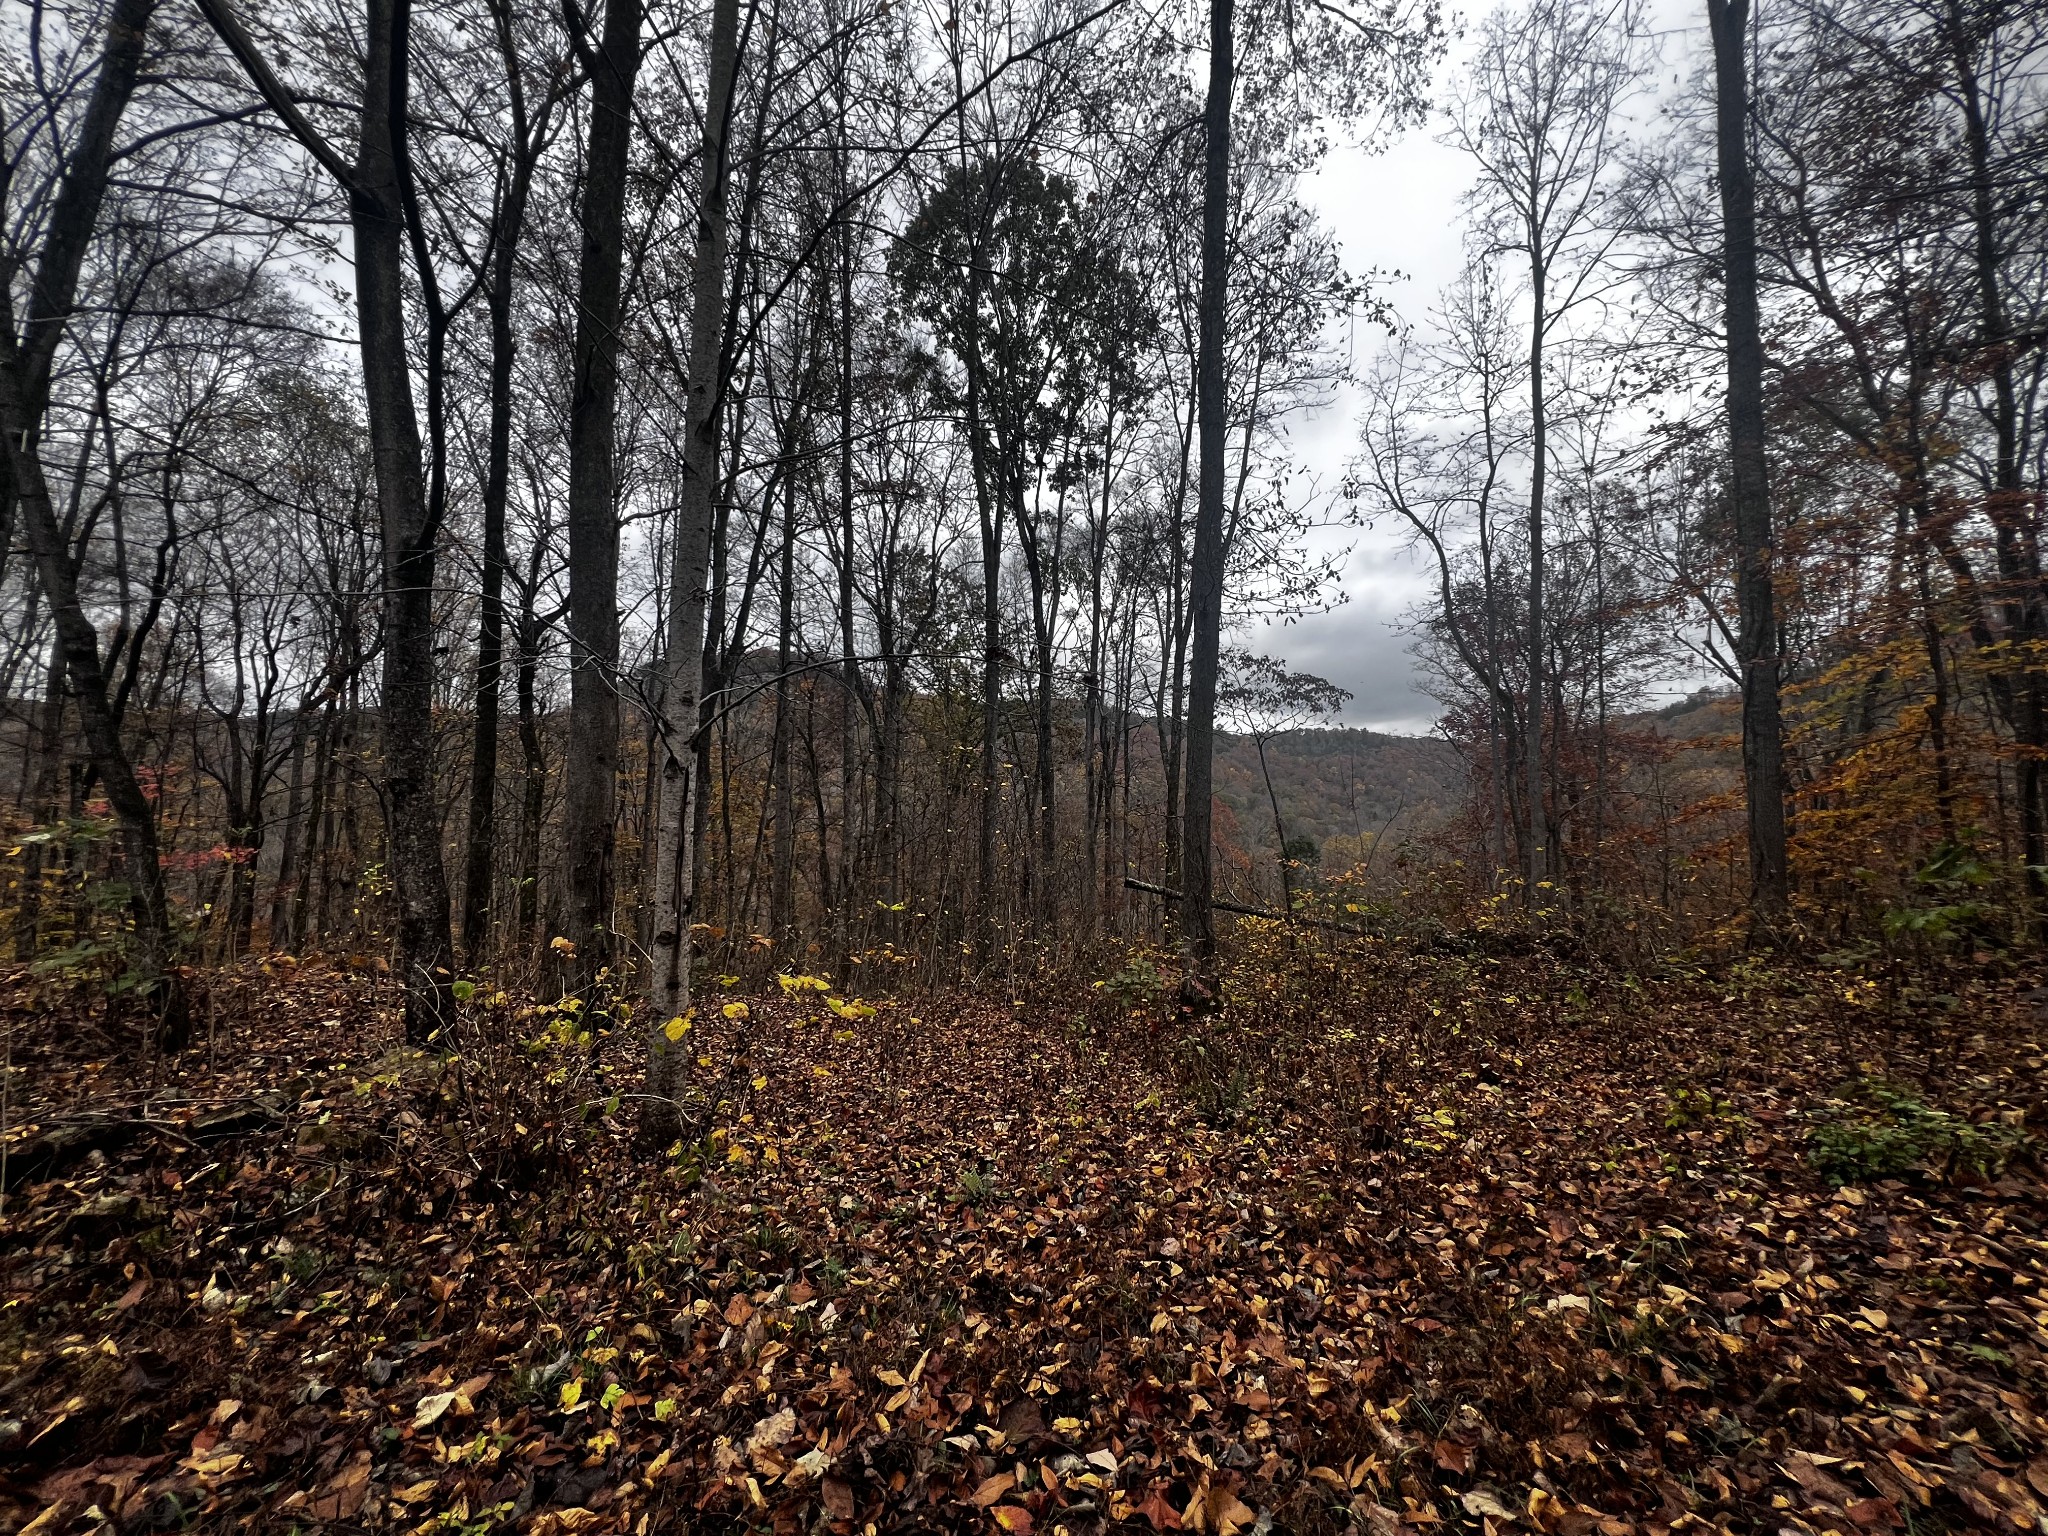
(1362, 644)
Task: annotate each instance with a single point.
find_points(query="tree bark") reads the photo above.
(1539, 465)
(782, 860)
(591, 785)
(850, 680)
(2009, 506)
(410, 533)
(674, 870)
(1763, 757)
(41, 773)
(1198, 923)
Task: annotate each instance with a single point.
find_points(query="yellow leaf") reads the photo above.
(676, 1028)
(737, 1011)
(572, 1392)
(760, 1083)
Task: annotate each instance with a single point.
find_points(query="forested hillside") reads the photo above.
(651, 879)
(1340, 785)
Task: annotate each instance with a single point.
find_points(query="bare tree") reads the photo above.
(1541, 116)
(28, 347)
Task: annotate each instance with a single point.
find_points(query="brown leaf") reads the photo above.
(991, 1489)
(345, 1491)
(1226, 1512)
(838, 1497)
(1272, 1345)
(1453, 1457)
(1155, 1509)
(1802, 1470)
(1022, 1421)
(1572, 1447)
(1980, 1506)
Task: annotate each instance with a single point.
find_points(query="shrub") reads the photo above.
(1882, 1131)
(1687, 1107)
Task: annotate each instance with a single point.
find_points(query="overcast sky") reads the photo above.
(1398, 212)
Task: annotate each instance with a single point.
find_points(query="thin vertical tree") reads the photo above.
(1541, 115)
(1198, 919)
(683, 671)
(519, 158)
(592, 778)
(1756, 639)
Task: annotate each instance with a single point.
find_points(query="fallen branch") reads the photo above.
(1132, 883)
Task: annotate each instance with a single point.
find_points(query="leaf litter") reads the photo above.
(1416, 1240)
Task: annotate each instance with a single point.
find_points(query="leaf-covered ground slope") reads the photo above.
(1412, 1240)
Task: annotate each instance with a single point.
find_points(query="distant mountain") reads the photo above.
(1338, 783)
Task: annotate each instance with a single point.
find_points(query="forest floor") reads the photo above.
(1422, 1238)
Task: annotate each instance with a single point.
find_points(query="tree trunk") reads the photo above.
(294, 835)
(674, 869)
(40, 775)
(533, 766)
(150, 901)
(591, 798)
(1197, 874)
(478, 871)
(850, 682)
(410, 536)
(1763, 759)
(1539, 466)
(308, 920)
(782, 860)
(1965, 30)
(1279, 831)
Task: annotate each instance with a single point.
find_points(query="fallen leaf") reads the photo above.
(992, 1489)
(429, 1410)
(1487, 1501)
(1161, 1514)
(837, 1495)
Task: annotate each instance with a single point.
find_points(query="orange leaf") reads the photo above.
(1155, 1509)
